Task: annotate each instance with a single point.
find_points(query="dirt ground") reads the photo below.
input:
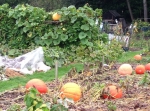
(136, 96)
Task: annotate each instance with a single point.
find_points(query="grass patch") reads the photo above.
(45, 76)
(128, 56)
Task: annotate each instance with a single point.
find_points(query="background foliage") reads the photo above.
(49, 5)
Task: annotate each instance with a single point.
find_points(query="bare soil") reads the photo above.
(136, 97)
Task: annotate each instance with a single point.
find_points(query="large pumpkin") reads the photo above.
(71, 90)
(125, 69)
(140, 69)
(147, 67)
(38, 84)
(112, 92)
(56, 16)
(138, 57)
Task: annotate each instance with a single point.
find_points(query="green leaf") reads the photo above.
(28, 101)
(25, 29)
(11, 52)
(91, 22)
(48, 42)
(84, 41)
(89, 44)
(89, 34)
(55, 36)
(73, 19)
(56, 41)
(66, 13)
(82, 35)
(64, 37)
(85, 27)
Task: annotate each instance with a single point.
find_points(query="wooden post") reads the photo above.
(56, 70)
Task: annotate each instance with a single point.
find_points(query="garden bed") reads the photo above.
(136, 97)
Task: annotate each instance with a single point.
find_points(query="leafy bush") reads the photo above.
(25, 25)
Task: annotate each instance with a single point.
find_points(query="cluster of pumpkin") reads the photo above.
(126, 69)
(73, 90)
(69, 90)
(141, 69)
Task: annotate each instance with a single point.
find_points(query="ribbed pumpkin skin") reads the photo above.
(140, 69)
(71, 90)
(38, 84)
(138, 57)
(125, 69)
(56, 16)
(112, 92)
(147, 67)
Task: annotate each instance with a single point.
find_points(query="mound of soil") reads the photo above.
(136, 96)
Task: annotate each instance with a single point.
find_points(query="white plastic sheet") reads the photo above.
(27, 63)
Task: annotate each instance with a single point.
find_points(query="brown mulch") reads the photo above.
(135, 97)
(11, 73)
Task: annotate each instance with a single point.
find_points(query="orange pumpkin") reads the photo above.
(147, 67)
(56, 16)
(38, 84)
(138, 57)
(71, 90)
(112, 92)
(140, 69)
(125, 69)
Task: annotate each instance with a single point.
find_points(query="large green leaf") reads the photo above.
(64, 37)
(84, 41)
(73, 19)
(48, 42)
(55, 36)
(82, 35)
(85, 27)
(56, 41)
(66, 13)
(91, 22)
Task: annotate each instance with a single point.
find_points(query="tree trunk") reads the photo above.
(129, 8)
(145, 10)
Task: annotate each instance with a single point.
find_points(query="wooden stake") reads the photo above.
(56, 70)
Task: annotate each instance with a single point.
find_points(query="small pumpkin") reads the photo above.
(112, 92)
(140, 69)
(125, 69)
(138, 57)
(38, 84)
(56, 16)
(71, 90)
(147, 67)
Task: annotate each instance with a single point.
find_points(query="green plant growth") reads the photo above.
(111, 106)
(14, 107)
(110, 52)
(34, 101)
(145, 79)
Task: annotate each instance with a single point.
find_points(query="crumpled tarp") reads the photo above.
(27, 63)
